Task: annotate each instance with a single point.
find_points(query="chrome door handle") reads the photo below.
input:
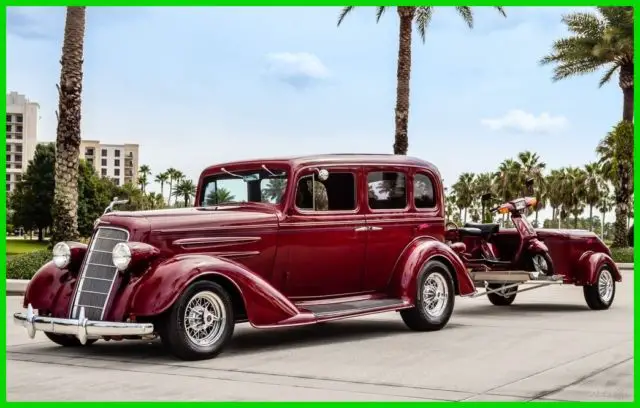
(375, 228)
(360, 229)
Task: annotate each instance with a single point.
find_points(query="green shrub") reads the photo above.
(24, 266)
(622, 255)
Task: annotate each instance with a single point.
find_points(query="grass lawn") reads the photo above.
(23, 246)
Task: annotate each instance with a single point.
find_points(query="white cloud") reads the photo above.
(524, 122)
(299, 69)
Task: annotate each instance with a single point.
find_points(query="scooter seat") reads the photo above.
(471, 232)
(485, 229)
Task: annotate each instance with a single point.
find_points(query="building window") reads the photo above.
(89, 151)
(8, 176)
(8, 118)
(387, 190)
(90, 162)
(19, 128)
(17, 165)
(18, 148)
(104, 162)
(423, 192)
(18, 177)
(117, 153)
(116, 162)
(103, 172)
(8, 128)
(128, 163)
(18, 158)
(338, 193)
(18, 136)
(19, 118)
(104, 152)
(116, 181)
(8, 188)
(116, 172)
(8, 158)
(8, 136)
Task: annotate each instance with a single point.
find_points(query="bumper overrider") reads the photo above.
(82, 328)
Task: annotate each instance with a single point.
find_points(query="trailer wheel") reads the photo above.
(434, 299)
(498, 299)
(200, 323)
(599, 296)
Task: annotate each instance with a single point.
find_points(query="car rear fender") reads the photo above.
(413, 258)
(590, 263)
(162, 285)
(50, 290)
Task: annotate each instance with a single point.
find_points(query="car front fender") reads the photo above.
(50, 290)
(590, 263)
(163, 284)
(412, 259)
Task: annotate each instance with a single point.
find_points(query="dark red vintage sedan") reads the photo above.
(278, 242)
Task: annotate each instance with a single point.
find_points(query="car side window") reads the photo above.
(423, 191)
(387, 190)
(337, 193)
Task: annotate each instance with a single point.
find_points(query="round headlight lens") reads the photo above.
(121, 256)
(61, 255)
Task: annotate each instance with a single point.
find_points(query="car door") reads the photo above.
(393, 219)
(324, 236)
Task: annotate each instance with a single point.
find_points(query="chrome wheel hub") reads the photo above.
(435, 294)
(204, 319)
(605, 286)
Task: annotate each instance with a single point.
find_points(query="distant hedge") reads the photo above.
(622, 255)
(24, 266)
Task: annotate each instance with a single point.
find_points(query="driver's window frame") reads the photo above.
(356, 172)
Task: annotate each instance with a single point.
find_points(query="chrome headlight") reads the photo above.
(121, 256)
(61, 255)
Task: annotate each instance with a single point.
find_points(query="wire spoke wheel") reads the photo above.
(434, 295)
(204, 318)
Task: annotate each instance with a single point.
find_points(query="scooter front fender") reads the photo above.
(536, 246)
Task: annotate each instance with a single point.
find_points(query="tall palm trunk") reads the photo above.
(65, 200)
(590, 217)
(626, 83)
(404, 75)
(623, 142)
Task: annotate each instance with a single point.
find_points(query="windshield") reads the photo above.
(258, 186)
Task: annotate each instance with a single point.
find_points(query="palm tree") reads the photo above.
(174, 176)
(623, 184)
(275, 188)
(555, 194)
(532, 167)
(573, 187)
(598, 41)
(185, 189)
(161, 179)
(219, 196)
(464, 189)
(65, 199)
(422, 16)
(593, 188)
(483, 184)
(606, 204)
(143, 182)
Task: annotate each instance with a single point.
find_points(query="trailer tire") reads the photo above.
(434, 281)
(600, 295)
(499, 300)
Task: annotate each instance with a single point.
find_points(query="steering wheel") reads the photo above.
(446, 226)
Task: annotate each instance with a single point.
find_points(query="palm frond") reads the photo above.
(423, 18)
(466, 14)
(501, 11)
(346, 10)
(379, 12)
(607, 75)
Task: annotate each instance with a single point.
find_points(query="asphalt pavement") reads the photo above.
(547, 346)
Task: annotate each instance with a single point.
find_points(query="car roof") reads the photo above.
(338, 158)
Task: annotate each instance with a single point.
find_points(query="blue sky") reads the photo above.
(196, 86)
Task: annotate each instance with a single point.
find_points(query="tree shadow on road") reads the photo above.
(521, 309)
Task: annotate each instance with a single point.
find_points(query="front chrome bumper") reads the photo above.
(81, 327)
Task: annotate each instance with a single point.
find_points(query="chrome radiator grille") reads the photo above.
(98, 274)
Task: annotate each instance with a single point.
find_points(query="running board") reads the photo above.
(357, 307)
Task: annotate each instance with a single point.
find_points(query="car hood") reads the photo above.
(177, 220)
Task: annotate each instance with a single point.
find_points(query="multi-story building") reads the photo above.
(22, 135)
(117, 162)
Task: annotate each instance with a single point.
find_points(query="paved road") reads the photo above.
(547, 346)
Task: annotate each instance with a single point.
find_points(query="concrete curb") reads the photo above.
(16, 287)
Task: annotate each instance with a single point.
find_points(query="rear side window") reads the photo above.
(423, 191)
(387, 190)
(337, 193)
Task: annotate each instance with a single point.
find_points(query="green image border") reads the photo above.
(331, 3)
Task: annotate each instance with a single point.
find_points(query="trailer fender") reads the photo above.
(162, 285)
(589, 265)
(415, 255)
